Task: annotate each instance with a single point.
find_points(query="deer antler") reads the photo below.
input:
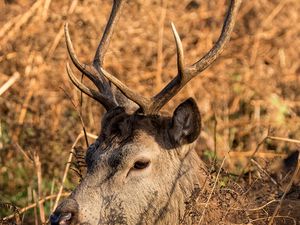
(104, 95)
(185, 74)
(154, 104)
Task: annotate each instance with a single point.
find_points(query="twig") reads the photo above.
(1, 143)
(274, 13)
(19, 22)
(51, 192)
(26, 156)
(68, 166)
(79, 114)
(37, 165)
(35, 199)
(6, 27)
(13, 208)
(258, 208)
(284, 139)
(34, 205)
(61, 30)
(66, 170)
(45, 9)
(214, 186)
(26, 102)
(261, 154)
(93, 136)
(265, 218)
(265, 172)
(215, 140)
(24, 109)
(9, 82)
(253, 154)
(286, 191)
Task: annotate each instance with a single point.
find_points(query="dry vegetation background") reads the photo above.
(250, 92)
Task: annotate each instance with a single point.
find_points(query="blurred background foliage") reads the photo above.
(252, 89)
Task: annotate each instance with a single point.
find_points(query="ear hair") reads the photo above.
(186, 123)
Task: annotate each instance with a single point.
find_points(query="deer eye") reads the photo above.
(139, 165)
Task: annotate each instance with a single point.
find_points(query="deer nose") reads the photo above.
(61, 219)
(65, 213)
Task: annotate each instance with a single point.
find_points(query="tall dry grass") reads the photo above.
(250, 92)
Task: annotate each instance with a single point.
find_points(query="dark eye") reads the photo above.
(139, 165)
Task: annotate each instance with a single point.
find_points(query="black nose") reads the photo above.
(61, 219)
(65, 213)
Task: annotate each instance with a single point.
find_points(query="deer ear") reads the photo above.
(186, 123)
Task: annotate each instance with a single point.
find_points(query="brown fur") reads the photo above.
(113, 192)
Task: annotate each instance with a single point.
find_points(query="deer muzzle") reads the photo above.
(66, 213)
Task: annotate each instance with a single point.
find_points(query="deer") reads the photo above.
(143, 166)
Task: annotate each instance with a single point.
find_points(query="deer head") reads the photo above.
(143, 166)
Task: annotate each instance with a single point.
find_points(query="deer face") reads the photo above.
(139, 169)
(142, 168)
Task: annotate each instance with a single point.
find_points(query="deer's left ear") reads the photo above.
(186, 123)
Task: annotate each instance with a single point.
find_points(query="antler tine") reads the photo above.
(100, 53)
(190, 72)
(179, 50)
(106, 102)
(104, 43)
(100, 84)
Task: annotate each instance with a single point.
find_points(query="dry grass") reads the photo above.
(252, 88)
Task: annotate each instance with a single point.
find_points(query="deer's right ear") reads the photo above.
(186, 123)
